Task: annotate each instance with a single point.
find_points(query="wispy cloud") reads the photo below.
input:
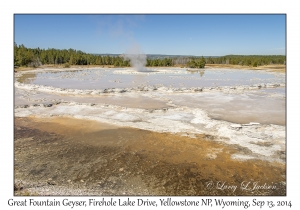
(118, 25)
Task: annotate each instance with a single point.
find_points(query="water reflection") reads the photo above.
(27, 78)
(201, 72)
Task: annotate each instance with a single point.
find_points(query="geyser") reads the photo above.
(137, 59)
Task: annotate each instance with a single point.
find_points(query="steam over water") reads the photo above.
(137, 59)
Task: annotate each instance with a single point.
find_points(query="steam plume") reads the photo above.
(137, 59)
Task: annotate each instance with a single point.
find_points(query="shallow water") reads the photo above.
(251, 106)
(265, 105)
(125, 100)
(211, 111)
(170, 77)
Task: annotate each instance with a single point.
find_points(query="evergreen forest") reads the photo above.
(34, 57)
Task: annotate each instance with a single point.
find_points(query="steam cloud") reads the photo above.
(137, 59)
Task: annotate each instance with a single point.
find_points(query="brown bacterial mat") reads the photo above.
(65, 156)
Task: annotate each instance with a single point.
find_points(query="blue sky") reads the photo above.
(189, 34)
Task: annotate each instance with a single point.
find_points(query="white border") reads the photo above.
(8, 8)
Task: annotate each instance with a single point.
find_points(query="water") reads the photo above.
(266, 105)
(170, 77)
(188, 113)
(251, 106)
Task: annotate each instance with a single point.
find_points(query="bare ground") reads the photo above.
(64, 156)
(272, 68)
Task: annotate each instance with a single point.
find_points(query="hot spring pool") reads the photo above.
(169, 77)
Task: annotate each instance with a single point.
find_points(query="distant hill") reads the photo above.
(106, 54)
(155, 56)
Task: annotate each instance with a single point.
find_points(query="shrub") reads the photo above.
(66, 65)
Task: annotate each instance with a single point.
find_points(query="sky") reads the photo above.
(176, 34)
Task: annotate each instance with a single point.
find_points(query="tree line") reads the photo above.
(35, 57)
(24, 56)
(248, 60)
